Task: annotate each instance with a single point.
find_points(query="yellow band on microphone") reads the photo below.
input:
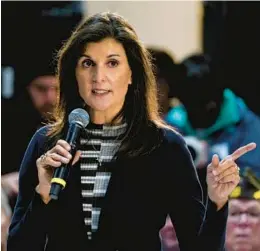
(59, 181)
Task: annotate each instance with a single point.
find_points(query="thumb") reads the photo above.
(215, 160)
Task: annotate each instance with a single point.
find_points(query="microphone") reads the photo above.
(78, 119)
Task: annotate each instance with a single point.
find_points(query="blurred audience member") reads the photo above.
(217, 120)
(43, 91)
(168, 237)
(243, 225)
(6, 213)
(166, 72)
(31, 111)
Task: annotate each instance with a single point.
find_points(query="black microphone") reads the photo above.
(78, 119)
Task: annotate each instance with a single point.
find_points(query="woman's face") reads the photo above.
(103, 75)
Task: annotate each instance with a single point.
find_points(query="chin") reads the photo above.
(99, 106)
(243, 247)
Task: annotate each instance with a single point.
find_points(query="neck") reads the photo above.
(101, 117)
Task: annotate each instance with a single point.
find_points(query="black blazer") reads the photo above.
(141, 192)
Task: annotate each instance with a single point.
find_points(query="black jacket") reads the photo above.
(141, 192)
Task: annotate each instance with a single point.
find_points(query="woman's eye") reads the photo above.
(113, 63)
(87, 63)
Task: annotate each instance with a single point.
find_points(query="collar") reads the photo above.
(106, 130)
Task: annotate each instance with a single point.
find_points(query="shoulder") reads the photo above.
(175, 159)
(172, 137)
(173, 145)
(40, 138)
(41, 134)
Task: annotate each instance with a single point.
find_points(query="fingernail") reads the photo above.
(65, 160)
(214, 172)
(69, 156)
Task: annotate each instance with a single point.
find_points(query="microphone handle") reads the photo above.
(61, 174)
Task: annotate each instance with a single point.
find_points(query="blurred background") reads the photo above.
(205, 55)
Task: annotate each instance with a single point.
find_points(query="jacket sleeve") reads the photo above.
(29, 222)
(198, 226)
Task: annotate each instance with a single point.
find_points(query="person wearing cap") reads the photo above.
(243, 225)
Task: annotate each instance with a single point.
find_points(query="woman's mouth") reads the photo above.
(100, 92)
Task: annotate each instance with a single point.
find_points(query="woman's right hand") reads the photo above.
(46, 164)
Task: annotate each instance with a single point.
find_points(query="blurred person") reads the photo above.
(167, 77)
(212, 118)
(43, 91)
(6, 213)
(168, 237)
(32, 110)
(243, 225)
(127, 175)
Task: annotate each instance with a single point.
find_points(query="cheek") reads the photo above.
(257, 230)
(230, 229)
(119, 84)
(84, 85)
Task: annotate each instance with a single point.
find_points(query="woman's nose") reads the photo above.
(99, 74)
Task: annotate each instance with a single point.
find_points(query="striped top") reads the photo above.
(98, 144)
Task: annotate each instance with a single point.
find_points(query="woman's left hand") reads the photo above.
(223, 176)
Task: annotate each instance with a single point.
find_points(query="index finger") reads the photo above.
(242, 150)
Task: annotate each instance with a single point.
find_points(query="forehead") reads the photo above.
(244, 204)
(106, 46)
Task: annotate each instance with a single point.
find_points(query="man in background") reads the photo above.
(243, 225)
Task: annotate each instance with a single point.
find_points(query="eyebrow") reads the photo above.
(254, 207)
(109, 56)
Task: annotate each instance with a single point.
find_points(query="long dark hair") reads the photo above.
(140, 109)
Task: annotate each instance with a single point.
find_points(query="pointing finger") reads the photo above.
(242, 150)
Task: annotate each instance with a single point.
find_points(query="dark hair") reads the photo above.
(140, 109)
(200, 74)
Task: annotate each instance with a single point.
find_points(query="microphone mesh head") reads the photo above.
(79, 116)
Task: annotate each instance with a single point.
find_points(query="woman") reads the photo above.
(127, 175)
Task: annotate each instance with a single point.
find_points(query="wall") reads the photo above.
(175, 25)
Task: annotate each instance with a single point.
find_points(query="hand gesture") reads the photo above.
(46, 164)
(223, 176)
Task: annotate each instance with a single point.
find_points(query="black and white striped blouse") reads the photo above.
(98, 145)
